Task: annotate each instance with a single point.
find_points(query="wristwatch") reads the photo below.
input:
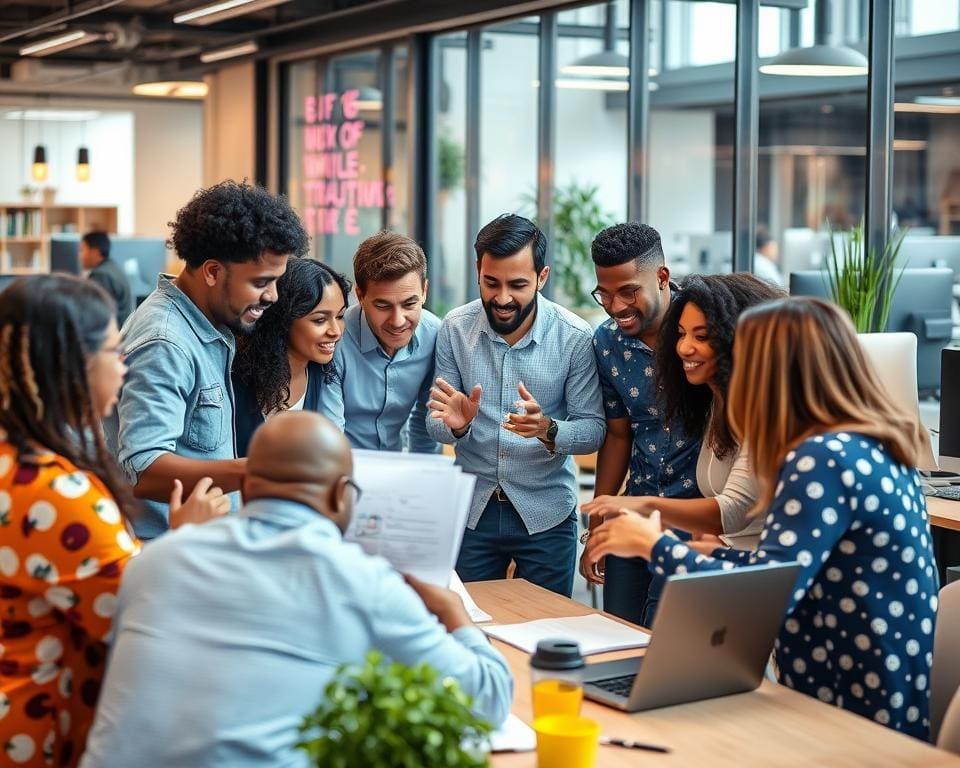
(552, 431)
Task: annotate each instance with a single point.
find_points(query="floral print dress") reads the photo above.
(63, 546)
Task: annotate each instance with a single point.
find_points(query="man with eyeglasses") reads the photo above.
(225, 634)
(633, 287)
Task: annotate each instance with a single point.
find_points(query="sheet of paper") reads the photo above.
(477, 614)
(513, 736)
(412, 512)
(594, 633)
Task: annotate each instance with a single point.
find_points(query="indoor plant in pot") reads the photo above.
(388, 715)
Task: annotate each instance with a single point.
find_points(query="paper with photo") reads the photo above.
(412, 511)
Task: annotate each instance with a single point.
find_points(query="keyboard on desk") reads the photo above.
(946, 492)
(620, 686)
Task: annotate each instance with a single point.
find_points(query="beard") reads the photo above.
(510, 326)
(241, 328)
(648, 319)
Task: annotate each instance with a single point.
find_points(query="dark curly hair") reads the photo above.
(233, 222)
(50, 326)
(621, 243)
(698, 409)
(261, 363)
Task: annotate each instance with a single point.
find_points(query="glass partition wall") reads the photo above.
(548, 116)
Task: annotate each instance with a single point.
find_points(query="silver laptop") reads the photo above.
(713, 637)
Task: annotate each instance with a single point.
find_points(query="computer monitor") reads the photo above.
(922, 305)
(711, 254)
(142, 259)
(931, 251)
(950, 410)
(65, 254)
(894, 358)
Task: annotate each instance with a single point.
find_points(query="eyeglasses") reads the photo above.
(626, 295)
(357, 490)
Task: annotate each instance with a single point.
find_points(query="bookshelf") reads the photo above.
(25, 230)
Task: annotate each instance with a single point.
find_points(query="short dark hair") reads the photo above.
(632, 241)
(235, 222)
(509, 234)
(99, 241)
(721, 298)
(763, 237)
(388, 256)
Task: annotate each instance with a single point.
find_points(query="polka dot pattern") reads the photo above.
(859, 631)
(63, 549)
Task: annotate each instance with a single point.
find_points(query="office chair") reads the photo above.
(945, 675)
(949, 738)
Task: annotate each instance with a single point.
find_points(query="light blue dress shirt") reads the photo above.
(374, 398)
(555, 362)
(177, 396)
(226, 634)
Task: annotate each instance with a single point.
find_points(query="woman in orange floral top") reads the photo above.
(64, 537)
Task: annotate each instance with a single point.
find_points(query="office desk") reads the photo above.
(944, 513)
(772, 726)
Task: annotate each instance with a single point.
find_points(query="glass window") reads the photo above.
(691, 140)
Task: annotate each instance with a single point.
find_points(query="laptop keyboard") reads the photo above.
(947, 492)
(620, 686)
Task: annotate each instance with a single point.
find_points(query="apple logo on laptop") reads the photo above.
(718, 636)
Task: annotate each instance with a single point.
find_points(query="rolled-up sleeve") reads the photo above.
(584, 428)
(153, 404)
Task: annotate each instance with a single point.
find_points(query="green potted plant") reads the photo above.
(863, 281)
(388, 715)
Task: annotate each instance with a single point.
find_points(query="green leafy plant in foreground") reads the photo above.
(388, 715)
(862, 281)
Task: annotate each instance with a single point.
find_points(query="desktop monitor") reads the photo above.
(922, 305)
(931, 251)
(65, 254)
(142, 259)
(711, 254)
(950, 411)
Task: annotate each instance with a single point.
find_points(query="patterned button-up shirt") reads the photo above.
(663, 460)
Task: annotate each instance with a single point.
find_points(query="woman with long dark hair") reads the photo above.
(64, 511)
(285, 361)
(835, 461)
(694, 362)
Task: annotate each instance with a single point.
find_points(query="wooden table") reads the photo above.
(772, 726)
(944, 513)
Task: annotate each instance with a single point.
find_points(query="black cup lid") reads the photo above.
(557, 654)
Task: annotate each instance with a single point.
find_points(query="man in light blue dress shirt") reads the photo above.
(384, 362)
(225, 634)
(517, 393)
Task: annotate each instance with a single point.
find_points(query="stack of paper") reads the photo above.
(413, 511)
(477, 615)
(594, 633)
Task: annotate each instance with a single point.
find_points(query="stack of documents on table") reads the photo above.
(412, 512)
(477, 614)
(594, 633)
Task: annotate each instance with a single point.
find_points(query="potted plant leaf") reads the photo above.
(862, 281)
(388, 715)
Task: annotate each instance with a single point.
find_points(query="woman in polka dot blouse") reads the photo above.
(834, 459)
(63, 535)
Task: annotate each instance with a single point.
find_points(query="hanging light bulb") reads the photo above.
(83, 164)
(40, 169)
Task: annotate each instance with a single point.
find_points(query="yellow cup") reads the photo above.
(556, 697)
(566, 741)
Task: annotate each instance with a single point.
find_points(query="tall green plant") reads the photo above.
(863, 281)
(382, 715)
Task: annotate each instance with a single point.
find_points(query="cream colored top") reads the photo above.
(731, 482)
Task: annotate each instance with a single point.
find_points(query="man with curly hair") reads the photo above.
(634, 288)
(175, 415)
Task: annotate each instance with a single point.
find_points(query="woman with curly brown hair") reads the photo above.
(285, 362)
(693, 365)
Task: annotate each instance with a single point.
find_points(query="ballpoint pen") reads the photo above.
(629, 744)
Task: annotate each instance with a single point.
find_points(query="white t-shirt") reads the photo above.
(297, 406)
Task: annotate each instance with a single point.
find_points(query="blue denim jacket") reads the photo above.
(177, 396)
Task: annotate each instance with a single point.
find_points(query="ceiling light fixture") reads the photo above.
(172, 89)
(60, 43)
(83, 164)
(39, 170)
(369, 99)
(226, 9)
(208, 57)
(821, 59)
(926, 109)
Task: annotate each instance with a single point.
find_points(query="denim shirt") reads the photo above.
(381, 402)
(663, 460)
(177, 396)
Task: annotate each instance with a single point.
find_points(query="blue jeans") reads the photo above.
(631, 590)
(546, 559)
